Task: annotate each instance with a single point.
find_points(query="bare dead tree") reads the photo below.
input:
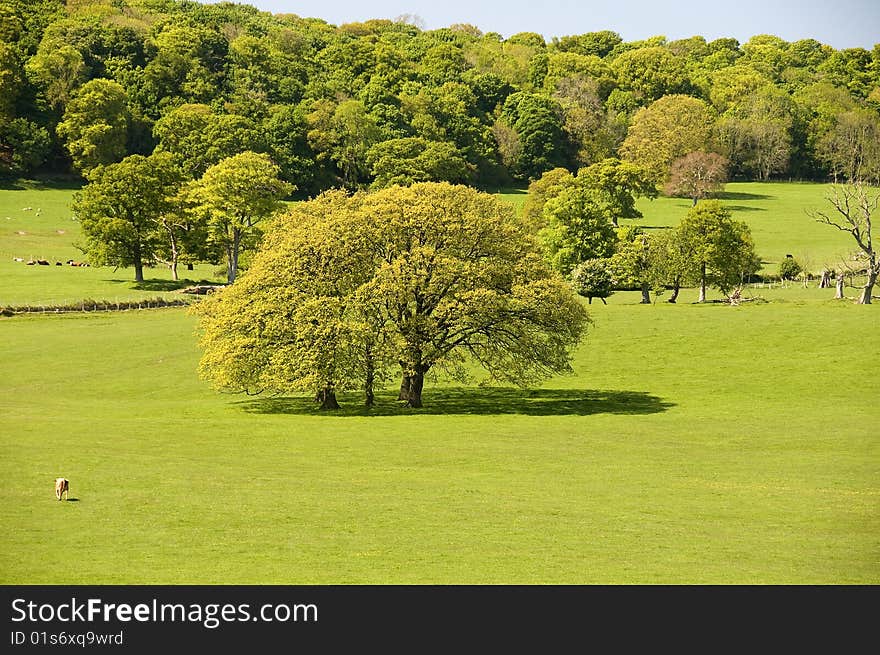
(854, 206)
(697, 175)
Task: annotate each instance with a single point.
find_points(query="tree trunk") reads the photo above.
(839, 292)
(369, 398)
(138, 270)
(232, 253)
(190, 267)
(328, 398)
(702, 297)
(868, 289)
(414, 395)
(826, 280)
(404, 387)
(646, 294)
(174, 255)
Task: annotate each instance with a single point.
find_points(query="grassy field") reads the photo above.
(695, 444)
(777, 214)
(701, 444)
(36, 223)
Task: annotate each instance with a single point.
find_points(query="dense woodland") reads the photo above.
(88, 82)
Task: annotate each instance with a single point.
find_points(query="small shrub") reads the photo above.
(592, 279)
(789, 269)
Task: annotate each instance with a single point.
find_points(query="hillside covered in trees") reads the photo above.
(89, 82)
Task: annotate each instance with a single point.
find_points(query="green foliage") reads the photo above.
(720, 250)
(416, 277)
(651, 73)
(24, 146)
(95, 125)
(789, 269)
(197, 138)
(514, 108)
(593, 279)
(618, 184)
(538, 126)
(119, 207)
(343, 134)
(57, 70)
(406, 161)
(540, 191)
(631, 262)
(578, 227)
(234, 197)
(667, 129)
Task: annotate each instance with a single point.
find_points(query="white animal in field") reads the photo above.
(62, 486)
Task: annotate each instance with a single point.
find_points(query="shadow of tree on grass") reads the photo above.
(745, 208)
(741, 195)
(475, 401)
(156, 284)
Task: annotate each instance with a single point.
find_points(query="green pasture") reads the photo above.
(777, 214)
(694, 444)
(36, 223)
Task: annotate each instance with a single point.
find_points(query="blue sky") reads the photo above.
(839, 23)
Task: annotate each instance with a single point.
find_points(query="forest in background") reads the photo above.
(383, 102)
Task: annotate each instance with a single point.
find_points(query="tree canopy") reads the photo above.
(430, 278)
(103, 80)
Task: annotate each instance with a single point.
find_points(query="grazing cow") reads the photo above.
(62, 486)
(43, 262)
(17, 259)
(57, 263)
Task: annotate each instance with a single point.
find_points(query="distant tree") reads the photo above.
(789, 269)
(95, 124)
(578, 228)
(618, 184)
(24, 145)
(631, 261)
(592, 278)
(57, 70)
(550, 184)
(599, 44)
(10, 79)
(119, 206)
(198, 138)
(593, 132)
(537, 121)
(720, 250)
(757, 133)
(670, 262)
(235, 196)
(343, 134)
(851, 148)
(697, 175)
(410, 160)
(667, 129)
(651, 73)
(853, 207)
(285, 130)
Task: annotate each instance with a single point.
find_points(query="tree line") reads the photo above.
(88, 83)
